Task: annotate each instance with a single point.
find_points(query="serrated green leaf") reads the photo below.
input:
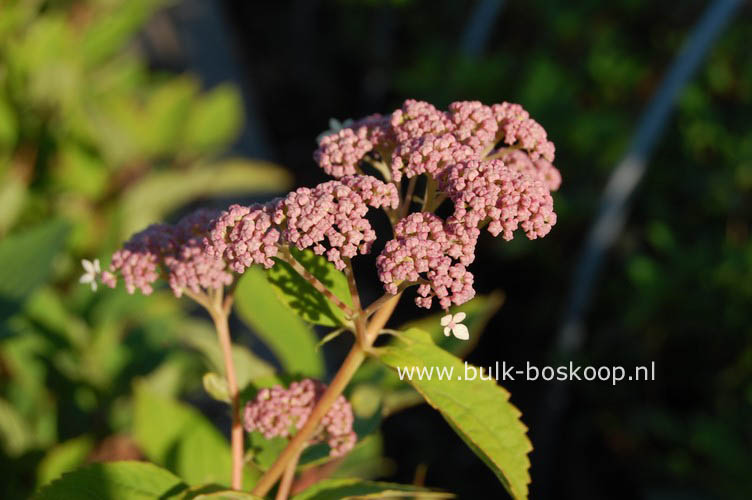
(342, 489)
(290, 339)
(178, 437)
(114, 481)
(478, 410)
(26, 261)
(300, 296)
(213, 120)
(63, 458)
(216, 387)
(159, 193)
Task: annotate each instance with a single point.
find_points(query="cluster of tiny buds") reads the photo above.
(433, 253)
(280, 412)
(492, 162)
(177, 250)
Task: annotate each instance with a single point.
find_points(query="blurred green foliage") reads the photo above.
(93, 146)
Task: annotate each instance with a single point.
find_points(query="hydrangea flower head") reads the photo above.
(175, 251)
(280, 412)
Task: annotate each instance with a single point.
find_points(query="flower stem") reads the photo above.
(341, 379)
(219, 311)
(285, 483)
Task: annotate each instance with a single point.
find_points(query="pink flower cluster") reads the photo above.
(279, 412)
(433, 253)
(242, 236)
(330, 218)
(340, 153)
(507, 198)
(492, 162)
(176, 250)
(422, 139)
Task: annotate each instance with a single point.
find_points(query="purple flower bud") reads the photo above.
(280, 412)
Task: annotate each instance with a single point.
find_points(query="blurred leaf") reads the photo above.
(63, 458)
(342, 489)
(160, 193)
(79, 171)
(216, 387)
(165, 115)
(114, 481)
(201, 336)
(8, 125)
(300, 296)
(479, 311)
(478, 410)
(15, 434)
(26, 261)
(13, 194)
(114, 27)
(214, 120)
(178, 437)
(290, 339)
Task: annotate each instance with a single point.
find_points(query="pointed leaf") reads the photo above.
(26, 262)
(290, 339)
(178, 437)
(114, 481)
(478, 410)
(300, 296)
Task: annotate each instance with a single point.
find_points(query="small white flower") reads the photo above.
(453, 325)
(92, 273)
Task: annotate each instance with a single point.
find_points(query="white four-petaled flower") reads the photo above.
(453, 325)
(92, 273)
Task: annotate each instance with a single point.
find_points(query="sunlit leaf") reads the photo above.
(64, 457)
(290, 339)
(302, 298)
(178, 437)
(114, 481)
(478, 410)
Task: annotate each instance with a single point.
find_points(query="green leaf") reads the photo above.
(114, 481)
(15, 434)
(63, 458)
(213, 120)
(300, 296)
(200, 335)
(114, 28)
(290, 339)
(26, 262)
(342, 489)
(479, 311)
(215, 492)
(178, 437)
(478, 410)
(161, 192)
(216, 387)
